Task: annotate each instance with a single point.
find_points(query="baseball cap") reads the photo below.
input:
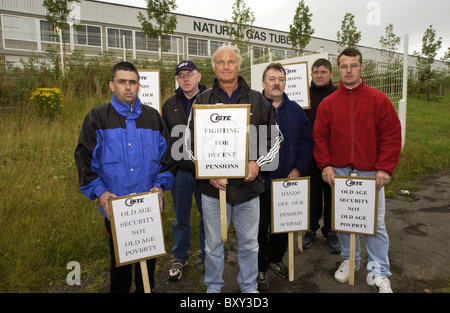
(187, 65)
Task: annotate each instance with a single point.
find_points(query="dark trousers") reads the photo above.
(121, 276)
(320, 200)
(271, 246)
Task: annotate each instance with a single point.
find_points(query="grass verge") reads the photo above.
(46, 222)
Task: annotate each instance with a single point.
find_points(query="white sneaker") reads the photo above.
(342, 273)
(381, 284)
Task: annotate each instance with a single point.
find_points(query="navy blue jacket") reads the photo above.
(175, 112)
(297, 147)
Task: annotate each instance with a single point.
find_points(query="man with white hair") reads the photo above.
(242, 194)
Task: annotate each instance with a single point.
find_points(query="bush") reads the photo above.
(49, 101)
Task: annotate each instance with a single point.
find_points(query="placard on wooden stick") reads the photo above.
(221, 136)
(221, 140)
(297, 83)
(290, 210)
(150, 90)
(354, 203)
(136, 227)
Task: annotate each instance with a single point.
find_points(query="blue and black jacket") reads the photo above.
(123, 150)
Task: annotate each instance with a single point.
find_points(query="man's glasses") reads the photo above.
(187, 75)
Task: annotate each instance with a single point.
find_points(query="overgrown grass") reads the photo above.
(45, 222)
(427, 140)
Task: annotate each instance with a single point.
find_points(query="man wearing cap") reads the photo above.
(175, 112)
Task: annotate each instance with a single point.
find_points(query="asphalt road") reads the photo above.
(419, 233)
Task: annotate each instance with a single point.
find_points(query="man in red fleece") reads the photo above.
(357, 130)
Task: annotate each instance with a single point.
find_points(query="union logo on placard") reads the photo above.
(287, 184)
(217, 118)
(131, 201)
(351, 182)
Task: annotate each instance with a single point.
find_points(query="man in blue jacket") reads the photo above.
(295, 157)
(122, 149)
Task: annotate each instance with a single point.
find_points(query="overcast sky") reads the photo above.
(411, 17)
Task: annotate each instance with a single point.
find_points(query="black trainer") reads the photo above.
(308, 239)
(333, 242)
(176, 271)
(280, 269)
(263, 284)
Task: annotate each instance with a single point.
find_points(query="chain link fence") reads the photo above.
(89, 76)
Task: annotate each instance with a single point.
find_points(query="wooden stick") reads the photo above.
(223, 209)
(223, 213)
(291, 255)
(145, 280)
(351, 265)
(300, 241)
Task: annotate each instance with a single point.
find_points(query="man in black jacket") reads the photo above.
(320, 191)
(175, 112)
(242, 194)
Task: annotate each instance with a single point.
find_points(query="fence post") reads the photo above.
(402, 117)
(403, 101)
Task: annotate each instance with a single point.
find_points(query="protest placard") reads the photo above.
(136, 228)
(221, 140)
(290, 205)
(297, 83)
(150, 91)
(290, 210)
(355, 201)
(354, 210)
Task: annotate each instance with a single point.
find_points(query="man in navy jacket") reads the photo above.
(175, 113)
(320, 191)
(295, 157)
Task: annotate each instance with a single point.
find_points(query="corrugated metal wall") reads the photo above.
(90, 11)
(107, 13)
(23, 6)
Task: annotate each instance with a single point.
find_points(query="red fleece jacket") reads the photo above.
(358, 128)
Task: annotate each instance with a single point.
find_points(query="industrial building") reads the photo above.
(110, 27)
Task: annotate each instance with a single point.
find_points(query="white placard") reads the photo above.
(355, 201)
(221, 140)
(297, 83)
(136, 228)
(150, 91)
(290, 205)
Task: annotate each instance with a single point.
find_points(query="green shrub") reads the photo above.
(49, 101)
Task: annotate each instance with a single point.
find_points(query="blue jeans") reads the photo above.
(245, 217)
(182, 190)
(377, 246)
